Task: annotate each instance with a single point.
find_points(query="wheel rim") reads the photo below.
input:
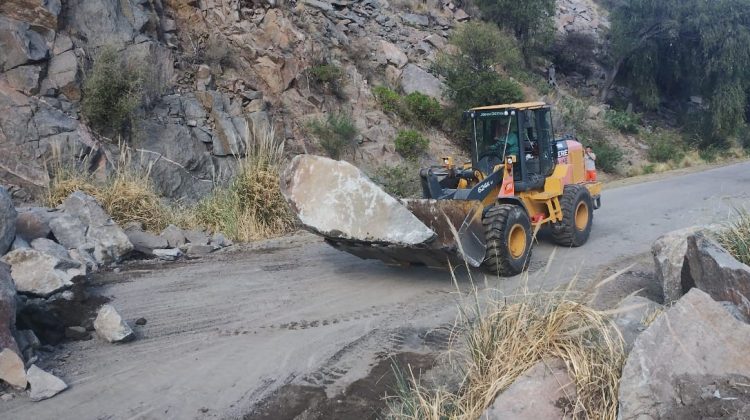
(517, 241)
(582, 216)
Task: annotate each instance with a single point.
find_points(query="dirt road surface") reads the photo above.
(224, 332)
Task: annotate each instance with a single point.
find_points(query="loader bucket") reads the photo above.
(335, 200)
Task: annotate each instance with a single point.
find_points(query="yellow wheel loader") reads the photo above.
(484, 212)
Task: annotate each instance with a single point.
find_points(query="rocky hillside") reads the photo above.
(218, 73)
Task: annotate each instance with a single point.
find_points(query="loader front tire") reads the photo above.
(578, 215)
(507, 231)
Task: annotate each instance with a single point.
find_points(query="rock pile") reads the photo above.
(686, 360)
(43, 298)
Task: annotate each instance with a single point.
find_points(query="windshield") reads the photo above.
(492, 131)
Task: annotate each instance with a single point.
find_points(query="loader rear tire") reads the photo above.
(507, 231)
(578, 216)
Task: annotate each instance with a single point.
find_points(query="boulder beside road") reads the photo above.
(691, 346)
(718, 273)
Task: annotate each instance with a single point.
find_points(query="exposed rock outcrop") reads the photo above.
(718, 273)
(696, 342)
(7, 221)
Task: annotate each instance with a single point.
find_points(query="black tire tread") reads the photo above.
(564, 232)
(497, 255)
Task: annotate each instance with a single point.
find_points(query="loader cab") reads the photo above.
(523, 130)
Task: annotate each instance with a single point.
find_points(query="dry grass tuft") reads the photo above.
(126, 194)
(506, 338)
(736, 237)
(251, 207)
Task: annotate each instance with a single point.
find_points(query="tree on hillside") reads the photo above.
(471, 70)
(676, 48)
(531, 21)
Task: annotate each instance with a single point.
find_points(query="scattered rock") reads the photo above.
(392, 54)
(69, 231)
(110, 326)
(33, 223)
(12, 369)
(77, 333)
(7, 397)
(631, 318)
(28, 343)
(197, 250)
(44, 385)
(416, 20)
(218, 239)
(50, 247)
(717, 272)
(311, 180)
(7, 309)
(145, 242)
(414, 79)
(460, 15)
(196, 237)
(111, 244)
(175, 236)
(669, 258)
(168, 254)
(7, 219)
(41, 274)
(696, 341)
(140, 321)
(19, 243)
(542, 392)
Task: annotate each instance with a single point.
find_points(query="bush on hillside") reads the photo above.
(623, 121)
(425, 110)
(327, 77)
(411, 144)
(112, 91)
(335, 134)
(664, 146)
(401, 181)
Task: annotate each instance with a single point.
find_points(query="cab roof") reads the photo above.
(519, 106)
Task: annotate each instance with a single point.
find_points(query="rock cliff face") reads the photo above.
(218, 72)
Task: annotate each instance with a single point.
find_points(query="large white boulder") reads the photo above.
(336, 199)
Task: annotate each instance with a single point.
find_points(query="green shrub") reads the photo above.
(389, 100)
(608, 155)
(471, 72)
(335, 134)
(623, 121)
(400, 181)
(649, 169)
(425, 110)
(664, 146)
(411, 144)
(709, 154)
(327, 77)
(112, 91)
